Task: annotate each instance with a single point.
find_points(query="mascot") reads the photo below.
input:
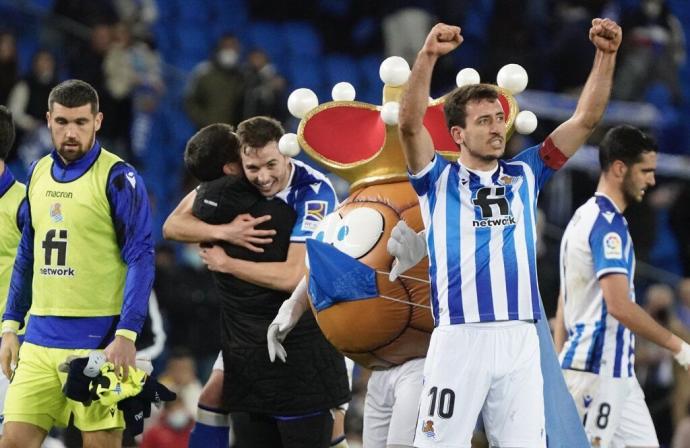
(368, 271)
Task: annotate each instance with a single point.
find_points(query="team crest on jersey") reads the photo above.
(596, 441)
(314, 212)
(613, 246)
(56, 212)
(428, 429)
(509, 180)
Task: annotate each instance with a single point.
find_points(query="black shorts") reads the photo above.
(261, 431)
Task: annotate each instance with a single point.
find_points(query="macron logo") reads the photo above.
(587, 400)
(131, 179)
(316, 187)
(609, 216)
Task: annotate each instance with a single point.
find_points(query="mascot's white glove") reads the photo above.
(288, 315)
(683, 356)
(407, 246)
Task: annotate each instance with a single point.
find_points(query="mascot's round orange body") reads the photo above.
(388, 330)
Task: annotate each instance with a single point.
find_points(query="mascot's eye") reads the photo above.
(359, 232)
(327, 230)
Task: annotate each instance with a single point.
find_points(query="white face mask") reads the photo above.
(177, 419)
(227, 58)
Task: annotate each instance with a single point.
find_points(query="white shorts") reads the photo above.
(4, 384)
(492, 368)
(613, 410)
(218, 365)
(390, 408)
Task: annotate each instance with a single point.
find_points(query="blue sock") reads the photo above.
(211, 430)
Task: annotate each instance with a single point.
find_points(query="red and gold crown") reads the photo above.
(359, 141)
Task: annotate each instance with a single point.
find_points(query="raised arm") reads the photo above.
(606, 36)
(416, 141)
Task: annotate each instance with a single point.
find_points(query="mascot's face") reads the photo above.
(358, 231)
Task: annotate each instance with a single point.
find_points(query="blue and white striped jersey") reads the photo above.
(311, 195)
(596, 243)
(481, 238)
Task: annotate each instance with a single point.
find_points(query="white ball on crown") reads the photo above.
(288, 145)
(512, 77)
(394, 71)
(302, 101)
(389, 113)
(343, 91)
(526, 122)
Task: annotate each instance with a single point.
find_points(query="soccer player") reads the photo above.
(597, 267)
(281, 412)
(85, 268)
(479, 215)
(12, 216)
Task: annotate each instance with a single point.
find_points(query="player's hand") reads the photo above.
(683, 355)
(408, 248)
(9, 353)
(215, 259)
(241, 232)
(606, 35)
(442, 39)
(122, 353)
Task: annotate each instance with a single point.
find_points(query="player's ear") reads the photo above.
(619, 168)
(458, 135)
(98, 119)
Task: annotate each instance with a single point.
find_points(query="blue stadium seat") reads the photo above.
(340, 68)
(372, 86)
(193, 12)
(268, 36)
(193, 41)
(302, 39)
(307, 72)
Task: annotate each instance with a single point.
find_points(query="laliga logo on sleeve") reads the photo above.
(314, 212)
(613, 246)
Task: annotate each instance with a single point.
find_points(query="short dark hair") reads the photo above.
(210, 149)
(625, 143)
(455, 106)
(257, 132)
(74, 93)
(6, 132)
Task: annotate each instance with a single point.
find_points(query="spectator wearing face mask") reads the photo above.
(172, 428)
(216, 89)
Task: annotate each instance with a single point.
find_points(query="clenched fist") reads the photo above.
(442, 39)
(606, 35)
